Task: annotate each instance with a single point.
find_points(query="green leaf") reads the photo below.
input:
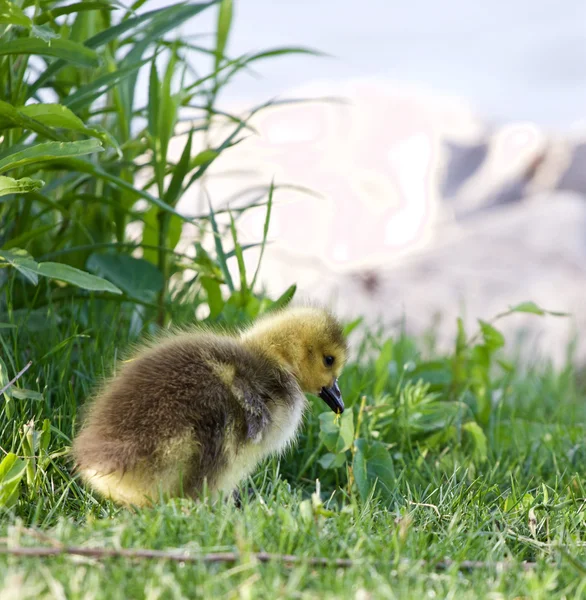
(265, 233)
(173, 193)
(382, 364)
(88, 167)
(137, 277)
(77, 7)
(221, 254)
(170, 16)
(24, 394)
(283, 300)
(203, 157)
(44, 33)
(435, 415)
(8, 185)
(436, 373)
(153, 104)
(4, 379)
(22, 261)
(493, 338)
(11, 117)
(89, 92)
(337, 431)
(74, 276)
(59, 116)
(47, 152)
(64, 49)
(169, 104)
(350, 327)
(223, 29)
(461, 341)
(12, 470)
(11, 14)
(373, 469)
(532, 308)
(214, 296)
(45, 435)
(476, 438)
(239, 259)
(332, 461)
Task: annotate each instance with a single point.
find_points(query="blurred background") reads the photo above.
(445, 152)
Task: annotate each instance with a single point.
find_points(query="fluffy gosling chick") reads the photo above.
(198, 407)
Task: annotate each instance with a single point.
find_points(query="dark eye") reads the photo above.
(328, 361)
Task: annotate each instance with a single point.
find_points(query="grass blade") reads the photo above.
(240, 260)
(48, 152)
(221, 255)
(66, 50)
(265, 233)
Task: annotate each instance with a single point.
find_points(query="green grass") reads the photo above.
(438, 461)
(522, 501)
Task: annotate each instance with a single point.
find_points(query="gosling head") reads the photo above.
(310, 344)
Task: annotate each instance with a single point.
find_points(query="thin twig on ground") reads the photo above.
(230, 557)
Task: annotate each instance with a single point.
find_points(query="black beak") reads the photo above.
(332, 396)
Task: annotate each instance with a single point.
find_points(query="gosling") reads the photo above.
(199, 410)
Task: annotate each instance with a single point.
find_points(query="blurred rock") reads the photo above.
(421, 209)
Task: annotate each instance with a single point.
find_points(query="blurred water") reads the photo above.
(512, 59)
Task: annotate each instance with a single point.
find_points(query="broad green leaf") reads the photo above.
(11, 117)
(337, 432)
(64, 49)
(22, 261)
(373, 469)
(8, 185)
(12, 470)
(137, 277)
(493, 338)
(332, 461)
(81, 279)
(59, 116)
(47, 152)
